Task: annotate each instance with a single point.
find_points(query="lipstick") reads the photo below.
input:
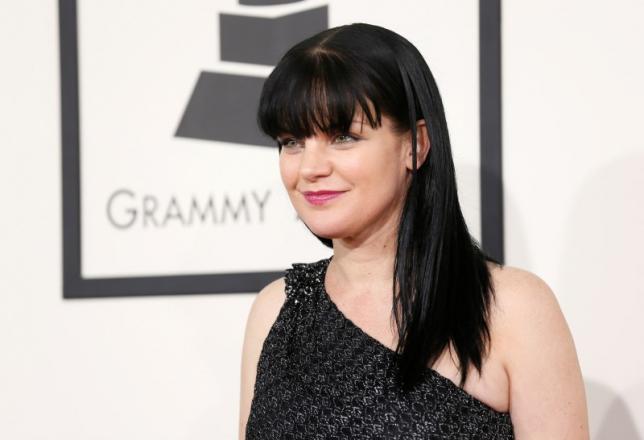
(321, 197)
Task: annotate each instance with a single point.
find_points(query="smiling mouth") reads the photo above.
(322, 197)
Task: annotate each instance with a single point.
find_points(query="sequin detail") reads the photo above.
(319, 376)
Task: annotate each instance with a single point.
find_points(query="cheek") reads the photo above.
(375, 172)
(288, 172)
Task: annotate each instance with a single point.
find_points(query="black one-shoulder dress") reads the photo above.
(319, 376)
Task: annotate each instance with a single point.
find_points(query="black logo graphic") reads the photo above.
(222, 106)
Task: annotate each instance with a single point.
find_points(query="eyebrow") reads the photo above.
(362, 123)
(359, 121)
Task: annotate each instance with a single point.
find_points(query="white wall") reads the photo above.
(168, 367)
(574, 175)
(127, 368)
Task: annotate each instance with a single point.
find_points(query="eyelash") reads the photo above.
(282, 143)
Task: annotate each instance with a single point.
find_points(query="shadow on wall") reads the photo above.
(611, 415)
(604, 234)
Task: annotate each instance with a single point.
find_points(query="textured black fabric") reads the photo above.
(319, 376)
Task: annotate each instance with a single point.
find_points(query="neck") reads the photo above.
(367, 270)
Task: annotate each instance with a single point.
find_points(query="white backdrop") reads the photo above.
(168, 367)
(138, 62)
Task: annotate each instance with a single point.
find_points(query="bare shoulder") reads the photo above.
(536, 348)
(516, 288)
(525, 309)
(261, 317)
(267, 304)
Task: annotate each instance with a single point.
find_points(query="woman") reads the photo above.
(408, 330)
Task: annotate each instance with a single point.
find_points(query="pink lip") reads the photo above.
(321, 197)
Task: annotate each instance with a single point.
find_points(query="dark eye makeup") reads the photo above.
(284, 142)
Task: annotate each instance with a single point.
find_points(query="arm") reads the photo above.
(547, 396)
(261, 317)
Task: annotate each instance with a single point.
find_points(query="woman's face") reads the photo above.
(370, 167)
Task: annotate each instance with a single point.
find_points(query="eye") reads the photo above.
(345, 138)
(289, 143)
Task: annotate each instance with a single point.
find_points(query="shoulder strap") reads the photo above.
(291, 278)
(303, 280)
(279, 342)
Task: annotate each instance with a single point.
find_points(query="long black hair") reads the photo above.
(445, 286)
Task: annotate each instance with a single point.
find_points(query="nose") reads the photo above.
(314, 161)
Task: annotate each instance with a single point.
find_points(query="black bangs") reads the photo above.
(316, 92)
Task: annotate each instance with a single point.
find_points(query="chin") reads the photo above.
(330, 233)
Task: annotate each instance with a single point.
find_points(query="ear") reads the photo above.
(422, 146)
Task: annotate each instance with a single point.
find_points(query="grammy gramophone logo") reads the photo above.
(222, 106)
(219, 106)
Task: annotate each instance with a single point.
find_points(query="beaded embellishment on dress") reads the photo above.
(319, 376)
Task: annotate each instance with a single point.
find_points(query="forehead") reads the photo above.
(359, 124)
